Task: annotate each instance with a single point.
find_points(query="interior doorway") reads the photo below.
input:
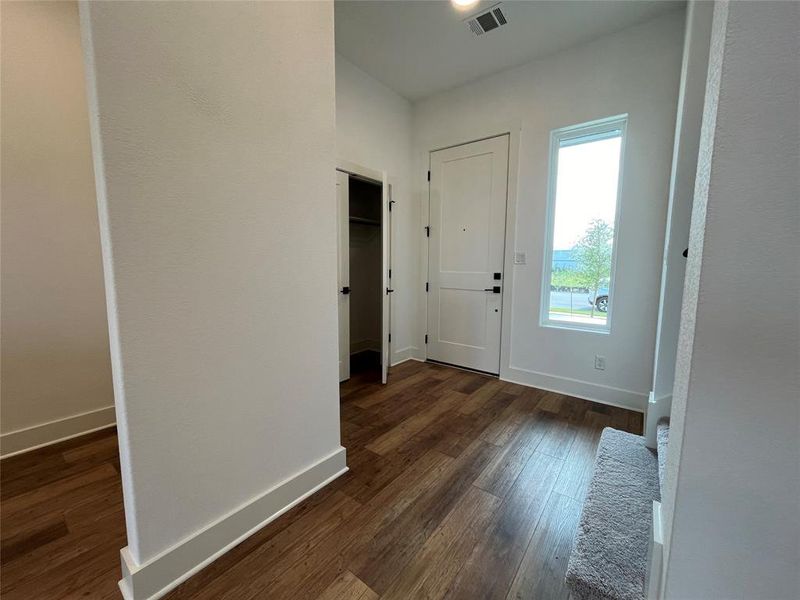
(363, 206)
(466, 246)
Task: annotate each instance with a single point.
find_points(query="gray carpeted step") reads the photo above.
(609, 555)
(662, 439)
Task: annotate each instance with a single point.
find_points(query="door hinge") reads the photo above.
(429, 175)
(426, 338)
(390, 338)
(427, 231)
(390, 273)
(427, 286)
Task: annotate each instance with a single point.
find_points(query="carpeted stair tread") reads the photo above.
(609, 556)
(662, 439)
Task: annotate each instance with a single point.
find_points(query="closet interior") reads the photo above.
(365, 275)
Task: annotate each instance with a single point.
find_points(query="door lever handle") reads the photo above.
(389, 291)
(494, 290)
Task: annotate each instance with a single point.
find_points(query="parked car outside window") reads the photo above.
(600, 302)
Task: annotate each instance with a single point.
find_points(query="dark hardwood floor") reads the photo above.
(460, 486)
(61, 521)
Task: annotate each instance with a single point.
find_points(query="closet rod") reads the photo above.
(364, 221)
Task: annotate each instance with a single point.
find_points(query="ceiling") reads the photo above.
(421, 47)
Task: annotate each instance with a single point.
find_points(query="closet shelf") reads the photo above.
(364, 221)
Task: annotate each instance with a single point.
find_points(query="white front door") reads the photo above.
(343, 229)
(468, 188)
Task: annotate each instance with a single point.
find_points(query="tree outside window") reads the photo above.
(594, 253)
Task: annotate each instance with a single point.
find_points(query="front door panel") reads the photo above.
(468, 192)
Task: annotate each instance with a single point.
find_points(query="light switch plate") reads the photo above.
(519, 258)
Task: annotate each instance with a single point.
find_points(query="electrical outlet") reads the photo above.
(599, 362)
(520, 258)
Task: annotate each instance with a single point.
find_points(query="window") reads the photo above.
(585, 167)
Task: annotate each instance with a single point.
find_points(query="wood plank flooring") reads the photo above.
(460, 486)
(61, 521)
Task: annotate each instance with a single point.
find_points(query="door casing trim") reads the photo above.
(385, 180)
(513, 129)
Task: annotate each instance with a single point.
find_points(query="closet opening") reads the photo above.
(364, 277)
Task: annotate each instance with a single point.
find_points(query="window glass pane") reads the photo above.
(583, 229)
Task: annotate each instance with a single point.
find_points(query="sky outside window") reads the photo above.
(586, 188)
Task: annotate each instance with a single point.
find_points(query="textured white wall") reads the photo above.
(635, 71)
(684, 167)
(55, 357)
(694, 71)
(373, 129)
(733, 486)
(215, 143)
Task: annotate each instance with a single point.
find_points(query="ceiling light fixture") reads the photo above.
(464, 4)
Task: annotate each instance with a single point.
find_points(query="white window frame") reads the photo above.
(557, 136)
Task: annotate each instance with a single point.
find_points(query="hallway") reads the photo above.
(460, 486)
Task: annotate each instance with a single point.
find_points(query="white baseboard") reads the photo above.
(356, 347)
(402, 355)
(161, 574)
(655, 556)
(52, 432)
(405, 360)
(573, 387)
(656, 408)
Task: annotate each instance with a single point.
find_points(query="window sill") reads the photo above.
(575, 326)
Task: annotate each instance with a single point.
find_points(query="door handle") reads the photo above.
(494, 290)
(389, 291)
(345, 290)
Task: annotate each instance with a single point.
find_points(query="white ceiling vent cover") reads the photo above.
(487, 20)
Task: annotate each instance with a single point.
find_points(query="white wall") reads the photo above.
(733, 486)
(214, 141)
(635, 71)
(684, 168)
(373, 129)
(56, 369)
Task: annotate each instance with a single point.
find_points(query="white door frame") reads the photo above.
(343, 272)
(476, 134)
(383, 178)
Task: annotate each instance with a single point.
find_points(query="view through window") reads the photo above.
(583, 210)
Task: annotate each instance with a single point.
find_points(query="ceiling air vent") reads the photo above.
(487, 20)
